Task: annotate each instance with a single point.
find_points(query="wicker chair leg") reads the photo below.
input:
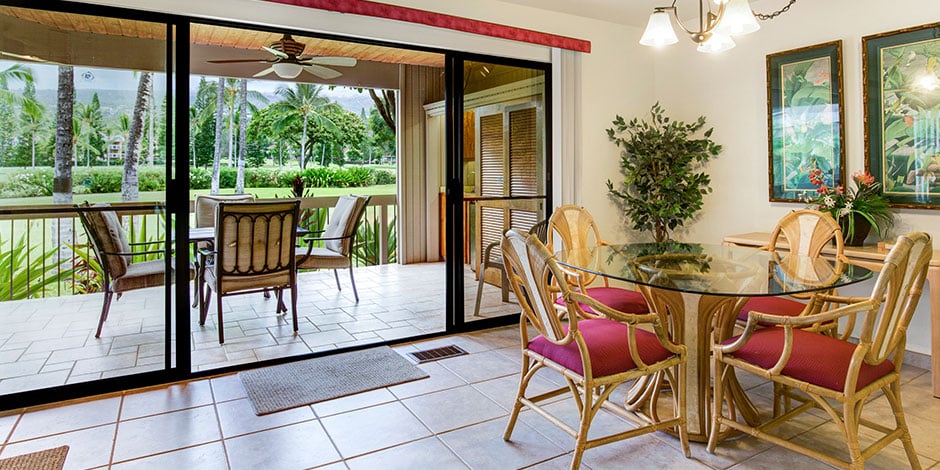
(717, 405)
(680, 413)
(587, 415)
(892, 392)
(293, 304)
(353, 281)
(204, 304)
(476, 305)
(517, 404)
(105, 309)
(850, 425)
(218, 302)
(336, 275)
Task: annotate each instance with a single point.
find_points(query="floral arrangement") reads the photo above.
(846, 205)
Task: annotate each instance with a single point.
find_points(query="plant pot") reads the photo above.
(862, 227)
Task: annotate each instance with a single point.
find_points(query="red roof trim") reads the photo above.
(440, 20)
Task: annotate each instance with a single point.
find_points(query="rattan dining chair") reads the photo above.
(338, 239)
(204, 210)
(807, 233)
(572, 227)
(594, 352)
(493, 259)
(116, 257)
(835, 375)
(253, 251)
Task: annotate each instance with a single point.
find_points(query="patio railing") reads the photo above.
(44, 251)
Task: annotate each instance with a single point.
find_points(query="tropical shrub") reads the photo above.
(29, 272)
(367, 248)
(28, 183)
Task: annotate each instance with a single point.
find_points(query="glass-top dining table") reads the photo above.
(698, 289)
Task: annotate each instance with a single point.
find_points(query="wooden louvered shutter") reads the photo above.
(523, 153)
(522, 220)
(491, 155)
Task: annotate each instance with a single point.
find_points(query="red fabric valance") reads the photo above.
(440, 20)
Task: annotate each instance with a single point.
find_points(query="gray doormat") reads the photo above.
(49, 459)
(300, 383)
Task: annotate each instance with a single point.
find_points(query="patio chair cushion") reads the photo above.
(774, 305)
(817, 359)
(608, 348)
(110, 236)
(255, 281)
(204, 206)
(140, 275)
(624, 300)
(321, 258)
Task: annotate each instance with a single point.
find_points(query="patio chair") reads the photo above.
(253, 251)
(833, 371)
(204, 208)
(114, 253)
(574, 228)
(807, 233)
(338, 240)
(595, 352)
(492, 258)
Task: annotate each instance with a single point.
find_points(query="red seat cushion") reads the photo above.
(608, 348)
(624, 300)
(774, 305)
(818, 359)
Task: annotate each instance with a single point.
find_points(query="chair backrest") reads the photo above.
(107, 237)
(897, 292)
(343, 223)
(572, 227)
(531, 270)
(256, 238)
(807, 232)
(204, 206)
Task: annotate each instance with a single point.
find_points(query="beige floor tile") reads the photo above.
(238, 417)
(353, 402)
(426, 453)
(301, 445)
(440, 378)
(7, 420)
(477, 367)
(504, 389)
(205, 457)
(453, 408)
(160, 433)
(166, 398)
(227, 387)
(482, 445)
(362, 431)
(71, 417)
(562, 462)
(645, 451)
(88, 448)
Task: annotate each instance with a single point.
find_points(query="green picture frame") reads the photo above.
(901, 73)
(804, 120)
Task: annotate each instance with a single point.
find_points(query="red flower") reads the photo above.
(822, 189)
(840, 189)
(909, 121)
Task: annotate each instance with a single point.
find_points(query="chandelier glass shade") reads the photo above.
(716, 25)
(287, 69)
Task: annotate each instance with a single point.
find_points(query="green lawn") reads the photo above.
(261, 193)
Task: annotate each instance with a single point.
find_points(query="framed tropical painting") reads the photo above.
(804, 120)
(902, 114)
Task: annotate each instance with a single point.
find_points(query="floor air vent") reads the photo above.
(436, 354)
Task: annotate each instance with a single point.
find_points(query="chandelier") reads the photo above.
(716, 24)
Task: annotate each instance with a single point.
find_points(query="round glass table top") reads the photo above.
(713, 269)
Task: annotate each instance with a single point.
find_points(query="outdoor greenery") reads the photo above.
(662, 162)
(31, 270)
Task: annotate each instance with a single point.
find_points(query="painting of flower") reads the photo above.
(902, 111)
(804, 90)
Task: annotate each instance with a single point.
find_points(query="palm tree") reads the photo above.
(31, 118)
(89, 127)
(14, 73)
(217, 155)
(122, 127)
(242, 134)
(302, 102)
(129, 183)
(62, 177)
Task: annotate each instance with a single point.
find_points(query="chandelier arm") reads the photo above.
(770, 16)
(707, 21)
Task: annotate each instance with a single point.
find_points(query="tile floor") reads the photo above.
(49, 342)
(452, 420)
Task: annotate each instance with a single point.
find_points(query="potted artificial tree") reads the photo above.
(662, 164)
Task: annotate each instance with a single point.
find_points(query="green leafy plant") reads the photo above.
(31, 272)
(367, 248)
(847, 204)
(661, 161)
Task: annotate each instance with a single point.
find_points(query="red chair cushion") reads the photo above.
(818, 359)
(624, 300)
(774, 305)
(608, 348)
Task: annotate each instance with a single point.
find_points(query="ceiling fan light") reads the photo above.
(659, 31)
(287, 70)
(716, 43)
(738, 19)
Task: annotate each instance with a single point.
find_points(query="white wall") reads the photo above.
(730, 90)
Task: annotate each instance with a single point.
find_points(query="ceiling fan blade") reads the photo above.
(236, 61)
(334, 61)
(30, 58)
(275, 52)
(322, 72)
(264, 72)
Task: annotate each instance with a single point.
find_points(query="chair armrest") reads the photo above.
(310, 240)
(487, 252)
(132, 253)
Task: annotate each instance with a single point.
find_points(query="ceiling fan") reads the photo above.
(287, 62)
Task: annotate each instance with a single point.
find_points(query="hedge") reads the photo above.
(33, 182)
